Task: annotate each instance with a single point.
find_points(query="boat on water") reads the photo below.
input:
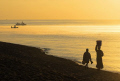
(22, 23)
(14, 26)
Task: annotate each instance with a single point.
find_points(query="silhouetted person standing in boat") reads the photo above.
(86, 58)
(99, 55)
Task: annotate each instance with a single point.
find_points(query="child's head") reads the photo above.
(87, 50)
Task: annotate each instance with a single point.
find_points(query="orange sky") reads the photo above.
(60, 9)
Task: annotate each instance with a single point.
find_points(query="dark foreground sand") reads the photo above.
(23, 63)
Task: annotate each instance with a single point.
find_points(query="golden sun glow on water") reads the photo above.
(64, 30)
(71, 30)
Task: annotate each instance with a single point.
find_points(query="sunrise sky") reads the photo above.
(60, 9)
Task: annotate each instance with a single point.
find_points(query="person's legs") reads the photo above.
(86, 65)
(98, 69)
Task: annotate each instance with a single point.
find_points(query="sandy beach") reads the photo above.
(25, 63)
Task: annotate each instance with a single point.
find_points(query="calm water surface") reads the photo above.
(68, 38)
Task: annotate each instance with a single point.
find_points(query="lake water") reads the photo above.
(68, 38)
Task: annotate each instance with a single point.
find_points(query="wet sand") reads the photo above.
(25, 63)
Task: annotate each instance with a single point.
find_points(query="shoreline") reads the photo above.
(20, 62)
(96, 68)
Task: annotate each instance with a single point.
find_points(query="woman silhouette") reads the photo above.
(99, 57)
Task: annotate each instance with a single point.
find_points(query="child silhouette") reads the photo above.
(86, 58)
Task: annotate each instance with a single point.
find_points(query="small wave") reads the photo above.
(46, 50)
